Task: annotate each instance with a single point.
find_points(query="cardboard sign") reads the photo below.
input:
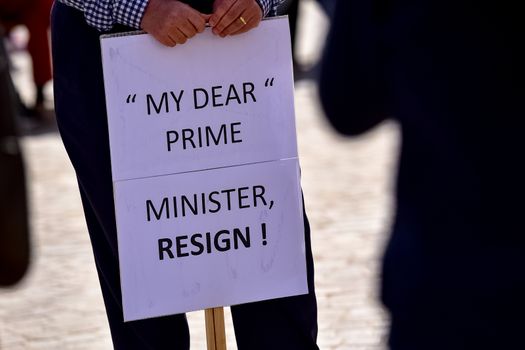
(205, 170)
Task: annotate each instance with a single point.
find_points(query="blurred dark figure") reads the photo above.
(14, 231)
(34, 14)
(452, 73)
(291, 8)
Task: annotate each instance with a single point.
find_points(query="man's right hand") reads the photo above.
(172, 22)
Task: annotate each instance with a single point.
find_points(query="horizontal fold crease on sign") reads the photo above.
(206, 169)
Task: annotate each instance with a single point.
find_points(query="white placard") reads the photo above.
(210, 238)
(205, 170)
(249, 74)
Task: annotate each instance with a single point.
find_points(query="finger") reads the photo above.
(230, 18)
(174, 41)
(220, 11)
(251, 16)
(164, 40)
(177, 36)
(237, 25)
(250, 24)
(198, 21)
(187, 29)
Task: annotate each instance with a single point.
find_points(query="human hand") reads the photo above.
(172, 22)
(231, 17)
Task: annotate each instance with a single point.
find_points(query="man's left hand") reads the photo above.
(231, 17)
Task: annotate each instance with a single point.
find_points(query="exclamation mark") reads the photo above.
(263, 228)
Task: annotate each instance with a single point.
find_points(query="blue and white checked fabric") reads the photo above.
(103, 14)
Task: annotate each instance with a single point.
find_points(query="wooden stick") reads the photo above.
(215, 332)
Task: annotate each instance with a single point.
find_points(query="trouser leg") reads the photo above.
(280, 324)
(81, 117)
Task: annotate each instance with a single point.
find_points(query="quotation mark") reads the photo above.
(268, 82)
(132, 98)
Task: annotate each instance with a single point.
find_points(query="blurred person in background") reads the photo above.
(14, 226)
(452, 73)
(291, 8)
(34, 14)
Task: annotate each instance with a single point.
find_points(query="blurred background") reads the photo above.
(347, 186)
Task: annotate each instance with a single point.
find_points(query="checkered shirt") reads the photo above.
(103, 14)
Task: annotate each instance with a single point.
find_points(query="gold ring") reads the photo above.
(242, 20)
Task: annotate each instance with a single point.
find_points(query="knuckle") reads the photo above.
(219, 12)
(200, 22)
(226, 4)
(163, 27)
(163, 40)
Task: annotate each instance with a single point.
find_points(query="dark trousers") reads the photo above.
(287, 323)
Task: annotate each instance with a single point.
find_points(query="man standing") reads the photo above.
(452, 73)
(288, 323)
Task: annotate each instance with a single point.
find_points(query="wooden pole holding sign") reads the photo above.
(215, 333)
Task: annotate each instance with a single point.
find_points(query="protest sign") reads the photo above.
(205, 170)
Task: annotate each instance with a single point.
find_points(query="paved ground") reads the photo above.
(347, 187)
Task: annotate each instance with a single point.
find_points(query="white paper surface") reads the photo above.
(138, 66)
(184, 175)
(152, 286)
